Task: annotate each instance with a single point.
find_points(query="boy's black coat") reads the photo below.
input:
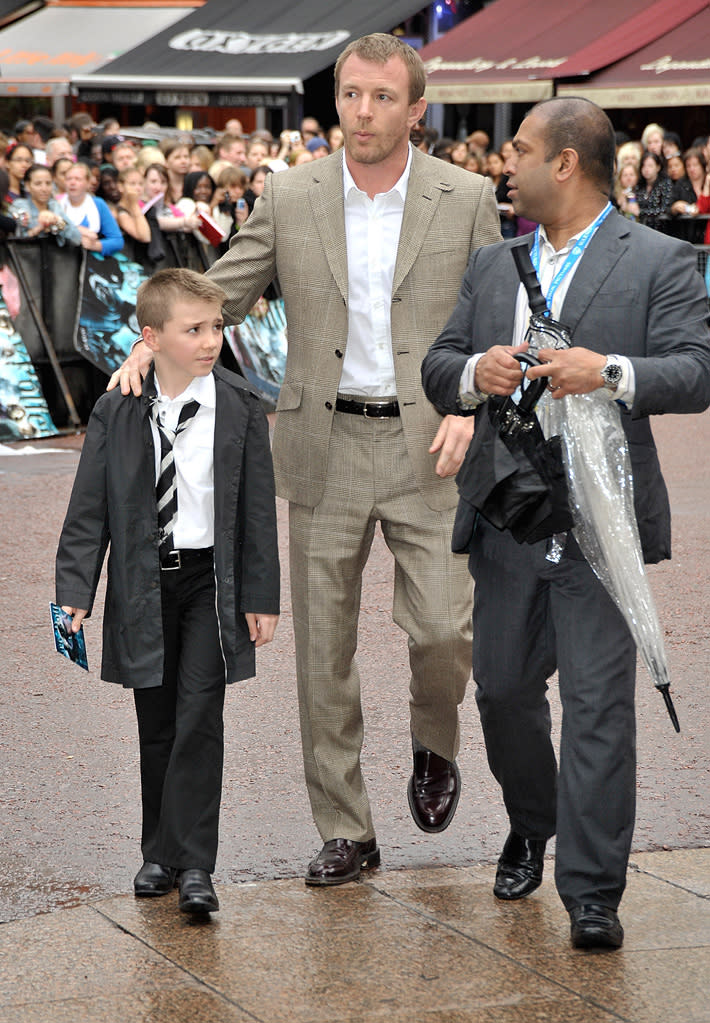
(114, 500)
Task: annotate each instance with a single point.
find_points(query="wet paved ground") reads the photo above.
(408, 946)
(409, 943)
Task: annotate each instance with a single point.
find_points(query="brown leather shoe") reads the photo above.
(433, 790)
(341, 860)
(520, 867)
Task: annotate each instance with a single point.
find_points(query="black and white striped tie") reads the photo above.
(166, 489)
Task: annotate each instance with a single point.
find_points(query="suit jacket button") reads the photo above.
(338, 353)
(329, 405)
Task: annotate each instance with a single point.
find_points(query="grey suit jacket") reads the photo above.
(297, 230)
(636, 293)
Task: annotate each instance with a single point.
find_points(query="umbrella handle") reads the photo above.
(533, 389)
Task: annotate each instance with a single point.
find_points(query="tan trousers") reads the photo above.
(370, 479)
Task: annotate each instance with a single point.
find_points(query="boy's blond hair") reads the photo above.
(157, 296)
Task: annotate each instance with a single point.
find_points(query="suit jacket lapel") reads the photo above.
(326, 198)
(418, 215)
(602, 255)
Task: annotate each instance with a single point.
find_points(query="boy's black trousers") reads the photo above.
(180, 725)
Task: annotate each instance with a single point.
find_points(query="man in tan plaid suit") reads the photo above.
(369, 257)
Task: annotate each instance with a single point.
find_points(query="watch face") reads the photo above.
(612, 374)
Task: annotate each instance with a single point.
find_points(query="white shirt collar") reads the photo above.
(200, 389)
(399, 186)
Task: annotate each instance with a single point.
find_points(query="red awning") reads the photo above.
(674, 70)
(514, 50)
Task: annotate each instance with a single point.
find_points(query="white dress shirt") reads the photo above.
(372, 229)
(193, 452)
(551, 260)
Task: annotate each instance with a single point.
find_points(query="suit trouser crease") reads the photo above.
(370, 479)
(530, 618)
(181, 730)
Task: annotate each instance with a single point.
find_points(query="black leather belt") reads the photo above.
(187, 556)
(369, 409)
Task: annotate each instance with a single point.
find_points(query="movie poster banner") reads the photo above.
(107, 324)
(259, 345)
(23, 411)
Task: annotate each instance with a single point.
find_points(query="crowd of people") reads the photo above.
(176, 203)
(143, 196)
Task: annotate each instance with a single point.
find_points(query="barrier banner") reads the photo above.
(107, 312)
(23, 411)
(259, 345)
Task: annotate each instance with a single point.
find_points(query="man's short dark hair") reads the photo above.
(576, 123)
(379, 48)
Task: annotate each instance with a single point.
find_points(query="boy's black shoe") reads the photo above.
(196, 892)
(153, 879)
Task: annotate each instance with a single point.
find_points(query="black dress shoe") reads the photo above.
(196, 892)
(341, 860)
(519, 867)
(433, 790)
(595, 927)
(153, 879)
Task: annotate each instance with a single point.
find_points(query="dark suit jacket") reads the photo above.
(635, 293)
(113, 500)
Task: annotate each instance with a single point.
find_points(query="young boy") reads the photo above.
(184, 494)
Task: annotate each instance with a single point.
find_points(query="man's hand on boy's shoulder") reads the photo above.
(261, 627)
(131, 373)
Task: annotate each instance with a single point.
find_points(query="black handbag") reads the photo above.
(511, 474)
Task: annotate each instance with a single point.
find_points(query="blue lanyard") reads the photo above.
(572, 257)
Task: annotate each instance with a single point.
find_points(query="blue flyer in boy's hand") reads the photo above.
(69, 644)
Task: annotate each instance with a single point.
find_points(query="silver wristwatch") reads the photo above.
(612, 373)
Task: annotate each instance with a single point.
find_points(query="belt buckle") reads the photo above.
(374, 404)
(171, 562)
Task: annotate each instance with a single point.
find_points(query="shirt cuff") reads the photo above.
(626, 388)
(469, 396)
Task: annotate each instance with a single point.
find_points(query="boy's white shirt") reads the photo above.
(193, 452)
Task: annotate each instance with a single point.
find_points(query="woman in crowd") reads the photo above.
(19, 158)
(108, 189)
(334, 135)
(201, 158)
(129, 214)
(494, 170)
(686, 190)
(256, 185)
(257, 153)
(99, 231)
(39, 214)
(652, 139)
(197, 197)
(459, 153)
(625, 190)
(171, 219)
(59, 173)
(177, 163)
(655, 192)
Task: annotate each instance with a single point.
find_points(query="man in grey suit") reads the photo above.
(369, 249)
(637, 310)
